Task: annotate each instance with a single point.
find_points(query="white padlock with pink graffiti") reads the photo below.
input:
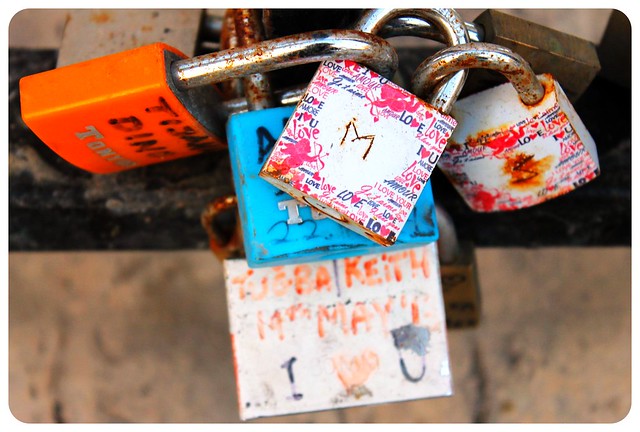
(505, 155)
(359, 148)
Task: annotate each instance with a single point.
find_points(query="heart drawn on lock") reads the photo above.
(355, 371)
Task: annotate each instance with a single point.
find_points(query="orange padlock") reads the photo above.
(121, 111)
(152, 104)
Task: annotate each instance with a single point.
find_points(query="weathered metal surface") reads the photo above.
(280, 230)
(413, 26)
(257, 87)
(506, 155)
(158, 207)
(448, 23)
(335, 334)
(281, 97)
(285, 52)
(571, 60)
(221, 225)
(230, 89)
(479, 55)
(93, 33)
(340, 150)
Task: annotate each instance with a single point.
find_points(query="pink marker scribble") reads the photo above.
(396, 100)
(293, 156)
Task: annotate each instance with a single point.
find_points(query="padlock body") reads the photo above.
(360, 149)
(338, 333)
(277, 229)
(461, 289)
(119, 112)
(505, 155)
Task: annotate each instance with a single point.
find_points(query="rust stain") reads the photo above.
(352, 125)
(101, 18)
(549, 88)
(525, 171)
(278, 171)
(146, 28)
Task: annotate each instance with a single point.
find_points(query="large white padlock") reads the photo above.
(338, 333)
(359, 148)
(517, 144)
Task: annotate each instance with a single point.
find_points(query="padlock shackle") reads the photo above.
(416, 27)
(288, 51)
(281, 97)
(453, 30)
(229, 39)
(233, 246)
(249, 31)
(485, 56)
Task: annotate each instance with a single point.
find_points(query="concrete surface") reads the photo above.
(143, 337)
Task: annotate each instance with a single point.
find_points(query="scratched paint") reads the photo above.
(505, 155)
(338, 333)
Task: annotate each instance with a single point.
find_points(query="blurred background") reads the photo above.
(132, 335)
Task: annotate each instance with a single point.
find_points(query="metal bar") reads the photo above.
(284, 52)
(480, 55)
(413, 26)
(446, 22)
(249, 31)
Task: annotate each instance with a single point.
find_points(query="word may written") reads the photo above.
(348, 318)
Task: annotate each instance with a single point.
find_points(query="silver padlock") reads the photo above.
(342, 157)
(518, 144)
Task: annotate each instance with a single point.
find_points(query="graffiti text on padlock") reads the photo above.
(293, 211)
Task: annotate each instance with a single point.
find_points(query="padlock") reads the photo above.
(150, 104)
(121, 111)
(337, 333)
(459, 275)
(518, 144)
(277, 228)
(326, 156)
(572, 61)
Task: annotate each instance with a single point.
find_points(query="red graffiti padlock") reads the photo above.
(517, 144)
(360, 149)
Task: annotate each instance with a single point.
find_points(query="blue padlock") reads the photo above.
(280, 230)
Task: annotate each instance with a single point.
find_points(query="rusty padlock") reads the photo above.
(517, 144)
(329, 161)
